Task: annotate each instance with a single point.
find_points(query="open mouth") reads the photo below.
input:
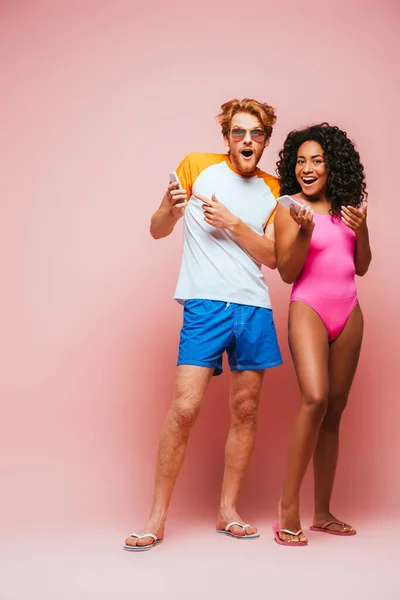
(309, 180)
(247, 153)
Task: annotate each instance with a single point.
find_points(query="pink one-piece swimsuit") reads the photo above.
(327, 281)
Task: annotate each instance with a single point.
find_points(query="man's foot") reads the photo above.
(154, 527)
(328, 523)
(289, 518)
(231, 516)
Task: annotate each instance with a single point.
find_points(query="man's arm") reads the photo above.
(169, 212)
(260, 247)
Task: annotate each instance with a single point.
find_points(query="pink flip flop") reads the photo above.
(324, 528)
(276, 529)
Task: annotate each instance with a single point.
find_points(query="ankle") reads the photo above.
(321, 512)
(158, 517)
(227, 509)
(287, 503)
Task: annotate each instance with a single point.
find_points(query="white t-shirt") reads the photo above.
(214, 266)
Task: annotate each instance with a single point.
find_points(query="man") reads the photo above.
(228, 206)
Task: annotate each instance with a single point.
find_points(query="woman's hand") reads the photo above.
(355, 218)
(304, 218)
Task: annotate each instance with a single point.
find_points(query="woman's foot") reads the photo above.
(328, 522)
(289, 518)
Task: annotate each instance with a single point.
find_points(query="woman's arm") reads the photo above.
(292, 241)
(356, 219)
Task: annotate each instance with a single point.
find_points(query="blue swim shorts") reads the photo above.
(247, 333)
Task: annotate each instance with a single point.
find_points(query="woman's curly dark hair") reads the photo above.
(346, 177)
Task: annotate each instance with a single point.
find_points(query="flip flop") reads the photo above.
(324, 528)
(276, 529)
(142, 548)
(235, 535)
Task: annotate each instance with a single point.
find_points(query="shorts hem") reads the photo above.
(198, 363)
(269, 365)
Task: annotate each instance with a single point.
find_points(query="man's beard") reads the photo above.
(244, 165)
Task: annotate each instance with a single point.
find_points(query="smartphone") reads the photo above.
(173, 177)
(288, 201)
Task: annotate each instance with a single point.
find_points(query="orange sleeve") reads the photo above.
(184, 173)
(192, 165)
(273, 184)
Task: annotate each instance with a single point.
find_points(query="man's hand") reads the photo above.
(177, 199)
(355, 218)
(216, 213)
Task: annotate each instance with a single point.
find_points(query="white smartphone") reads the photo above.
(288, 201)
(173, 177)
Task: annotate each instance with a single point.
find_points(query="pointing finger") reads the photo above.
(203, 199)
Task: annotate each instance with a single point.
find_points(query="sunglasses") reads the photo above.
(257, 135)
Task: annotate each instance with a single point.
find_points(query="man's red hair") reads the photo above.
(264, 112)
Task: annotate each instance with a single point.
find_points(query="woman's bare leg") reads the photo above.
(308, 341)
(343, 359)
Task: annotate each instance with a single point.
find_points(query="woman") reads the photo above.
(320, 250)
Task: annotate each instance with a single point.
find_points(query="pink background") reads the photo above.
(100, 100)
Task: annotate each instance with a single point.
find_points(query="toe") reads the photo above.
(236, 530)
(340, 527)
(134, 541)
(241, 531)
(251, 530)
(288, 538)
(146, 541)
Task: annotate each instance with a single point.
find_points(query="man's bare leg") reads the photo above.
(244, 399)
(190, 386)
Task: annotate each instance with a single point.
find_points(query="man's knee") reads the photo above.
(190, 387)
(244, 408)
(184, 412)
